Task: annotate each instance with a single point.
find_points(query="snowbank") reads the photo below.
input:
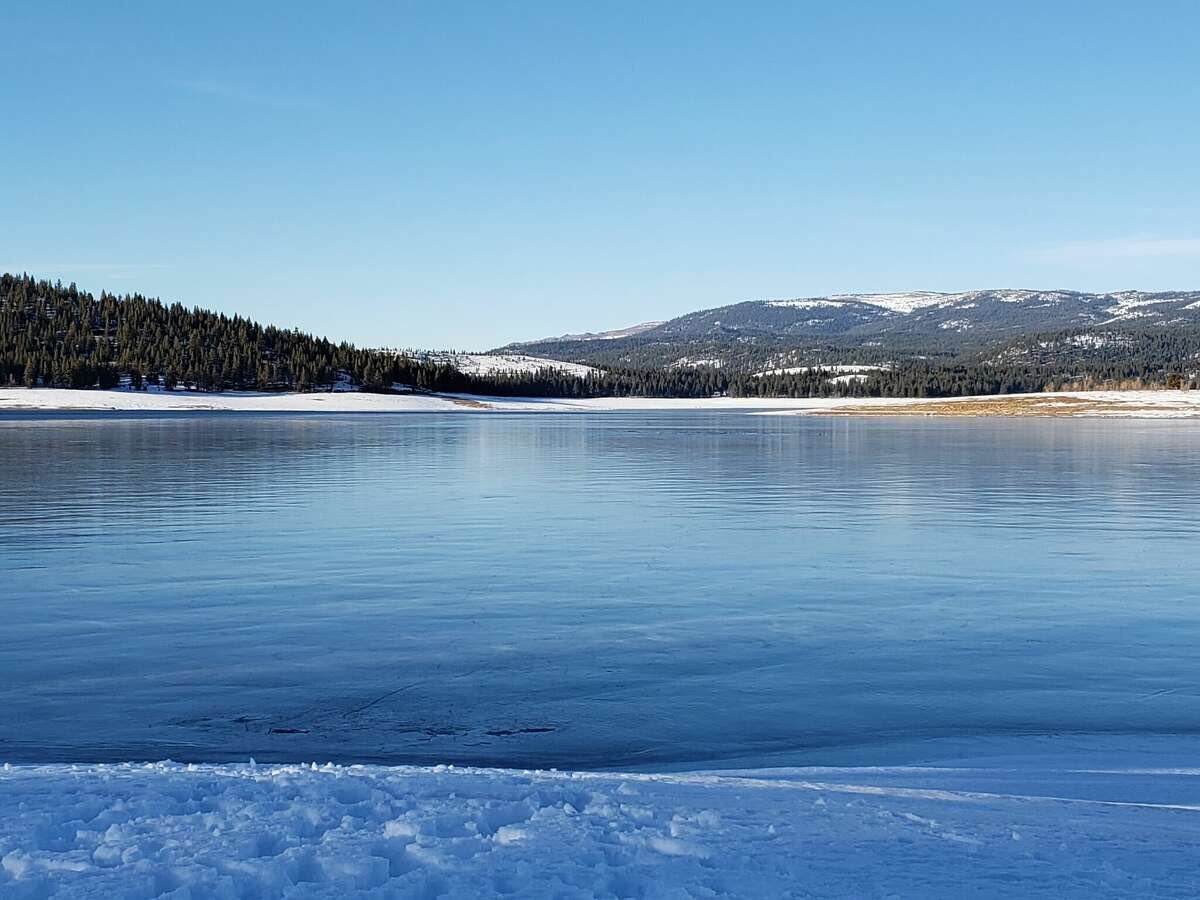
(25, 399)
(1145, 404)
(234, 831)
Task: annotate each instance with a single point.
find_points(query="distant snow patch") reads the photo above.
(903, 302)
(615, 334)
(485, 364)
(841, 369)
(811, 303)
(956, 325)
(1133, 306)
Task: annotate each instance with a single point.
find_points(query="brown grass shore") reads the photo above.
(1007, 405)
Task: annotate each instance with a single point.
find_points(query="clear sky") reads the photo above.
(460, 175)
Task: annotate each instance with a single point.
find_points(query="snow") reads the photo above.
(615, 334)
(496, 364)
(1123, 305)
(850, 369)
(1094, 341)
(1131, 305)
(1038, 829)
(1145, 404)
(250, 401)
(1129, 314)
(625, 332)
(904, 302)
(808, 303)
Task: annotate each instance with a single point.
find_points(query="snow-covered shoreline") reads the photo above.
(1140, 404)
(246, 830)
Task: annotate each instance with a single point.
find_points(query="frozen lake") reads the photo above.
(650, 590)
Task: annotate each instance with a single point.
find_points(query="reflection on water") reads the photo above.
(589, 590)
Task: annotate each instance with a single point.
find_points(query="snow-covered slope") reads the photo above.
(900, 303)
(926, 312)
(242, 831)
(1123, 304)
(613, 335)
(502, 363)
(497, 363)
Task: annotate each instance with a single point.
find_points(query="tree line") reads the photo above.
(59, 336)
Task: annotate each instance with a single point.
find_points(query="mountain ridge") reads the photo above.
(873, 327)
(840, 313)
(612, 335)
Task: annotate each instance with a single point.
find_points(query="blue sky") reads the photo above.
(448, 174)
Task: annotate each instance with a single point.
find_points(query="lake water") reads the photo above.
(594, 590)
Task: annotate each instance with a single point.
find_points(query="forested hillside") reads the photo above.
(57, 336)
(63, 337)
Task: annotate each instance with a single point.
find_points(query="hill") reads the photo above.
(1069, 335)
(58, 336)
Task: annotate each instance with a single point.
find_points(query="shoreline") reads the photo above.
(1115, 826)
(1127, 404)
(1078, 750)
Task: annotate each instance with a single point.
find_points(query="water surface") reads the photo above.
(591, 590)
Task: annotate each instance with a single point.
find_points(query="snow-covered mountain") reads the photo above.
(613, 335)
(1019, 327)
(997, 312)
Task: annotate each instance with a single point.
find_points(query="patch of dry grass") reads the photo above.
(471, 404)
(1008, 405)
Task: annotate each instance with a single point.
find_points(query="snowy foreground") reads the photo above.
(1139, 404)
(246, 831)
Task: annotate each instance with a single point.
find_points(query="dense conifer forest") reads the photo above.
(57, 336)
